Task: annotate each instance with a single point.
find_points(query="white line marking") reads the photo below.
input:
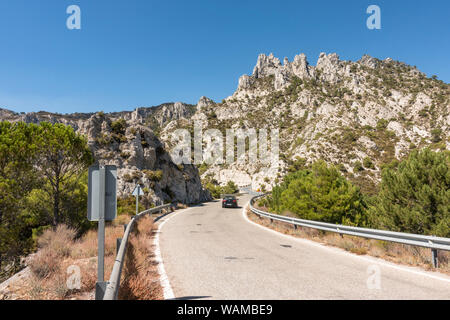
(163, 278)
(341, 251)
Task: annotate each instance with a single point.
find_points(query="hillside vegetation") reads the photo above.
(358, 116)
(43, 183)
(414, 196)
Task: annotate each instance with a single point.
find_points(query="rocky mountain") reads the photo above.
(128, 140)
(358, 115)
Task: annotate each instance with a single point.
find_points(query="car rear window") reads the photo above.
(229, 198)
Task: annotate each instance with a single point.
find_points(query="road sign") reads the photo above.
(102, 193)
(138, 191)
(102, 206)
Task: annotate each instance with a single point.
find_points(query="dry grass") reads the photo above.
(140, 280)
(394, 252)
(58, 250)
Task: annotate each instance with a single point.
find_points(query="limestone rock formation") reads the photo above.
(137, 152)
(347, 113)
(369, 111)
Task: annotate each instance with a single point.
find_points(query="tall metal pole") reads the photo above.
(101, 227)
(101, 285)
(137, 198)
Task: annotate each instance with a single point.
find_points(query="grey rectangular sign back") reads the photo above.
(110, 193)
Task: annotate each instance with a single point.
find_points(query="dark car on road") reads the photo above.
(229, 202)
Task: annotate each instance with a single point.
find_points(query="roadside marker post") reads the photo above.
(137, 192)
(102, 207)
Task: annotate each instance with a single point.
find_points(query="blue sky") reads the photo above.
(142, 53)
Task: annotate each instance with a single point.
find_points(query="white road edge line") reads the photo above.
(163, 278)
(337, 250)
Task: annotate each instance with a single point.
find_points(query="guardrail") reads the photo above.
(431, 242)
(112, 288)
(249, 190)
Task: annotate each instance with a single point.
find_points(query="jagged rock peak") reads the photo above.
(300, 66)
(245, 81)
(204, 102)
(325, 61)
(331, 67)
(5, 113)
(368, 61)
(266, 66)
(175, 111)
(271, 66)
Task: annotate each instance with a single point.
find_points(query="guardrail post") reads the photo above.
(431, 242)
(110, 290)
(118, 242)
(434, 258)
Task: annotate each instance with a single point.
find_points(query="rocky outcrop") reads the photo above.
(137, 152)
(245, 82)
(341, 111)
(368, 61)
(331, 67)
(204, 102)
(299, 67)
(170, 112)
(266, 66)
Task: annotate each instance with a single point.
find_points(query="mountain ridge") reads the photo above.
(359, 115)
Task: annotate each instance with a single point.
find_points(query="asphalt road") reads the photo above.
(214, 253)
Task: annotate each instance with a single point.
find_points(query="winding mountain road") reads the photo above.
(214, 253)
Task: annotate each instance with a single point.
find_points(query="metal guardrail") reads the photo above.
(431, 242)
(112, 288)
(248, 189)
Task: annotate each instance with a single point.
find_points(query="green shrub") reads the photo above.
(382, 124)
(230, 188)
(436, 135)
(414, 195)
(320, 193)
(368, 164)
(134, 176)
(217, 191)
(357, 166)
(125, 154)
(119, 126)
(153, 175)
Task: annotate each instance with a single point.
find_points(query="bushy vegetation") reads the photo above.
(217, 191)
(414, 195)
(319, 192)
(119, 126)
(59, 249)
(153, 175)
(43, 182)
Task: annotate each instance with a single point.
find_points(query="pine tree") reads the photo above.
(63, 157)
(320, 193)
(414, 196)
